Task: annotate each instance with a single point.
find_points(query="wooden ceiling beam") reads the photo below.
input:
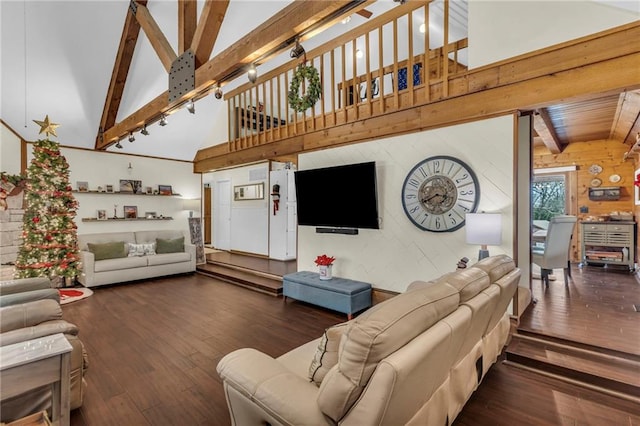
(208, 29)
(627, 115)
(285, 25)
(119, 74)
(187, 22)
(544, 127)
(157, 39)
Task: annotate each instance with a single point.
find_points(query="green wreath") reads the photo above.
(313, 91)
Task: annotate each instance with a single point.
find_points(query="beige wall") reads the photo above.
(9, 151)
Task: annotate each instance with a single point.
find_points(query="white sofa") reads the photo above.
(110, 271)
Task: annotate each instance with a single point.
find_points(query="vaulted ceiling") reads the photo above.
(58, 58)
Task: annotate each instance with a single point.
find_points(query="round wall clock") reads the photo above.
(438, 192)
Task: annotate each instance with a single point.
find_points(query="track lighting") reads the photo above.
(252, 74)
(298, 50)
(131, 137)
(144, 130)
(118, 145)
(191, 107)
(218, 92)
(163, 120)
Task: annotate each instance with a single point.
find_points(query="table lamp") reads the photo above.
(191, 205)
(484, 229)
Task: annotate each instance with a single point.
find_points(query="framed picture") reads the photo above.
(130, 212)
(102, 215)
(165, 190)
(109, 188)
(83, 186)
(131, 186)
(148, 190)
(150, 215)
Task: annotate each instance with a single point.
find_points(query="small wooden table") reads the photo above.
(43, 361)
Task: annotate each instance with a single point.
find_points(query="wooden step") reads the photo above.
(610, 372)
(254, 280)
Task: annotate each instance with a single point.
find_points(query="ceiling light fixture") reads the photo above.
(163, 120)
(252, 74)
(131, 137)
(423, 28)
(359, 53)
(118, 145)
(191, 106)
(218, 92)
(297, 50)
(144, 130)
(346, 20)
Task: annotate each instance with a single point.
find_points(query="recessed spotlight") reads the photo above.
(118, 145)
(131, 137)
(163, 120)
(218, 92)
(252, 73)
(144, 130)
(191, 107)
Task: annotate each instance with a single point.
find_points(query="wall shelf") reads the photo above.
(124, 193)
(122, 219)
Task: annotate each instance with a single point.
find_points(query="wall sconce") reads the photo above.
(144, 130)
(298, 50)
(252, 74)
(163, 120)
(131, 137)
(191, 205)
(191, 106)
(218, 92)
(484, 229)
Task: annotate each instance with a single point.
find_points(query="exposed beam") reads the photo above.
(544, 127)
(293, 19)
(208, 28)
(627, 115)
(187, 21)
(121, 66)
(157, 39)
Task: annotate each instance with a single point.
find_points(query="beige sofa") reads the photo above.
(130, 268)
(414, 359)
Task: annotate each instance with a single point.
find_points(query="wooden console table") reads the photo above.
(43, 361)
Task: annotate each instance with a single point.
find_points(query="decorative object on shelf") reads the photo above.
(438, 192)
(100, 189)
(130, 212)
(325, 263)
(150, 215)
(109, 188)
(49, 237)
(83, 186)
(115, 211)
(596, 182)
(614, 178)
(595, 169)
(165, 190)
(131, 186)
(148, 190)
(102, 215)
(313, 90)
(608, 193)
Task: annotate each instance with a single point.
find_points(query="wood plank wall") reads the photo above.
(609, 155)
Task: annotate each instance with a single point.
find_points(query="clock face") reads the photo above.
(438, 192)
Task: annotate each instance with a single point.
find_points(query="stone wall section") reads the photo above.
(11, 229)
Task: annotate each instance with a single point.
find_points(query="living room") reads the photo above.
(390, 258)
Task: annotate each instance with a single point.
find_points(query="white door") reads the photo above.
(222, 215)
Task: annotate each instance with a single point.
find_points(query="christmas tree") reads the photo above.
(49, 234)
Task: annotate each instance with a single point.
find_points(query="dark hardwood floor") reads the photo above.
(154, 345)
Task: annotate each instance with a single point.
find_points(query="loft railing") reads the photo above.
(378, 68)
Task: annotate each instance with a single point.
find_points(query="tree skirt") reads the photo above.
(68, 295)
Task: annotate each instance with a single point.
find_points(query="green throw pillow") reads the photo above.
(169, 246)
(104, 251)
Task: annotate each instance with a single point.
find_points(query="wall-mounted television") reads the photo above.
(340, 196)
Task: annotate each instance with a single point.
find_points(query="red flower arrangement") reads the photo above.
(324, 260)
(637, 181)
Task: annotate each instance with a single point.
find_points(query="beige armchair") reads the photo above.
(31, 319)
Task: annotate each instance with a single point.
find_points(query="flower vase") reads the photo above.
(325, 272)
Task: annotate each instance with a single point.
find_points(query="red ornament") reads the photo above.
(36, 219)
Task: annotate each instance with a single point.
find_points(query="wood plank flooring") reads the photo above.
(154, 345)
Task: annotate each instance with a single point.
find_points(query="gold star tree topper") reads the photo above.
(47, 127)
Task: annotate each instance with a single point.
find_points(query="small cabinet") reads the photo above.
(609, 243)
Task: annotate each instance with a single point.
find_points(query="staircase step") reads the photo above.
(613, 373)
(254, 280)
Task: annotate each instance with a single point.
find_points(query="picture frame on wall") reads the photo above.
(130, 212)
(101, 215)
(129, 186)
(165, 190)
(109, 188)
(148, 190)
(82, 186)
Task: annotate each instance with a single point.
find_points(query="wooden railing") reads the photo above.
(391, 73)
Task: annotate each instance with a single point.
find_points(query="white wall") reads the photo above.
(502, 29)
(102, 168)
(9, 151)
(249, 218)
(399, 253)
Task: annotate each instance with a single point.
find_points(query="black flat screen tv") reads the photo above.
(340, 196)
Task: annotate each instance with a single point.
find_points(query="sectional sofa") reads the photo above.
(414, 359)
(116, 257)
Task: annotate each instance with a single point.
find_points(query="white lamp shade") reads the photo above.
(484, 228)
(191, 204)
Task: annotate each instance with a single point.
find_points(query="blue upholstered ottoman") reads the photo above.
(339, 294)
